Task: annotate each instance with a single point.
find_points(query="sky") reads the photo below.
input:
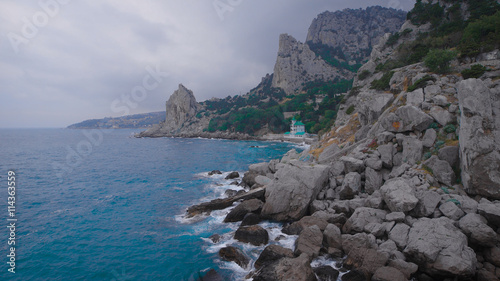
(65, 61)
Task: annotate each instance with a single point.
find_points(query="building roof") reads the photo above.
(287, 133)
(298, 123)
(300, 133)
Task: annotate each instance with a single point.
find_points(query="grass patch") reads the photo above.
(383, 83)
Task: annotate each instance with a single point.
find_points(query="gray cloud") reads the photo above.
(81, 57)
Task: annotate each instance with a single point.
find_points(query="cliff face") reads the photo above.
(354, 32)
(337, 43)
(296, 64)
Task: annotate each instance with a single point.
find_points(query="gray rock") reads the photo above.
(253, 234)
(385, 137)
(451, 210)
(429, 138)
(438, 247)
(309, 242)
(330, 194)
(337, 168)
(441, 170)
(233, 254)
(371, 105)
(492, 255)
(405, 119)
(387, 273)
(490, 210)
(351, 186)
(359, 240)
(329, 154)
(388, 246)
(479, 137)
(450, 154)
(386, 153)
(427, 203)
(272, 253)
(440, 100)
(318, 205)
(357, 203)
(376, 229)
(415, 98)
(442, 116)
(412, 150)
(432, 90)
(285, 269)
(263, 180)
(305, 222)
(260, 168)
(397, 172)
(294, 188)
(366, 260)
(352, 164)
(326, 272)
(399, 234)
(395, 216)
(407, 268)
(374, 163)
(397, 160)
(373, 180)
(239, 212)
(332, 236)
(361, 217)
(476, 228)
(398, 195)
(341, 206)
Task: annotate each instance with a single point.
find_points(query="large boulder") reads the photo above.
(490, 210)
(234, 254)
(406, 118)
(309, 242)
(260, 168)
(386, 154)
(296, 227)
(373, 180)
(239, 212)
(412, 150)
(287, 269)
(295, 186)
(438, 247)
(387, 273)
(371, 105)
(450, 154)
(361, 217)
(398, 195)
(427, 203)
(479, 138)
(271, 254)
(399, 234)
(253, 234)
(476, 228)
(350, 186)
(366, 260)
(441, 115)
(441, 170)
(332, 237)
(352, 164)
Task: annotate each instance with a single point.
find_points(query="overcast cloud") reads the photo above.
(76, 60)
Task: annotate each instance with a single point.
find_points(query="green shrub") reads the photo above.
(434, 125)
(364, 74)
(350, 110)
(481, 35)
(393, 39)
(450, 128)
(439, 60)
(383, 83)
(420, 83)
(424, 13)
(475, 71)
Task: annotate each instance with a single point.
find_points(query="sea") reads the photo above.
(103, 205)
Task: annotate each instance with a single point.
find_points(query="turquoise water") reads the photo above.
(109, 207)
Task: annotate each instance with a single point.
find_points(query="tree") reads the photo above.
(439, 60)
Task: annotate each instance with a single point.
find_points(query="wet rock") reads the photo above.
(354, 275)
(326, 273)
(232, 175)
(250, 219)
(214, 172)
(366, 260)
(215, 238)
(254, 234)
(388, 274)
(271, 254)
(239, 212)
(492, 255)
(249, 178)
(287, 269)
(234, 254)
(212, 275)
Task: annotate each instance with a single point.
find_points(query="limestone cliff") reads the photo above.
(180, 107)
(337, 43)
